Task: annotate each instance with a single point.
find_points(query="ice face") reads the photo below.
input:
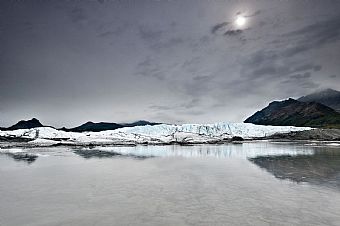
(164, 133)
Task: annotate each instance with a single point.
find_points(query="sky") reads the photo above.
(189, 61)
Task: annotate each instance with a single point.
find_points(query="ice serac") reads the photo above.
(156, 134)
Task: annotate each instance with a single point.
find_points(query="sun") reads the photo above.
(240, 21)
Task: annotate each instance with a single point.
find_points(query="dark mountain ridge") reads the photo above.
(328, 97)
(295, 113)
(102, 126)
(94, 127)
(139, 123)
(25, 124)
(86, 127)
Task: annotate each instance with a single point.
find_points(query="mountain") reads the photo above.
(28, 124)
(295, 113)
(94, 127)
(140, 123)
(102, 126)
(328, 97)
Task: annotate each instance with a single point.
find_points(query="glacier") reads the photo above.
(149, 134)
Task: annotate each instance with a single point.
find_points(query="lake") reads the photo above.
(255, 183)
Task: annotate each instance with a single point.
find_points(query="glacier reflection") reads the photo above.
(245, 150)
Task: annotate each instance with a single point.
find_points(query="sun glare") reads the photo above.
(240, 21)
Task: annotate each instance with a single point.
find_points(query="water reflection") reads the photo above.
(22, 157)
(245, 150)
(321, 168)
(93, 153)
(294, 161)
(89, 153)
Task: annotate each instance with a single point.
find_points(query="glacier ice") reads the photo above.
(156, 134)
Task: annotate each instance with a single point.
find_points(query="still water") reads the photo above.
(258, 183)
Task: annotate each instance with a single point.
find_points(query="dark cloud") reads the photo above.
(265, 63)
(191, 104)
(317, 67)
(218, 27)
(202, 78)
(302, 80)
(78, 15)
(279, 62)
(257, 12)
(167, 43)
(194, 112)
(313, 36)
(306, 67)
(149, 68)
(117, 31)
(160, 107)
(225, 29)
(149, 34)
(199, 85)
(159, 40)
(301, 76)
(233, 32)
(248, 15)
(180, 108)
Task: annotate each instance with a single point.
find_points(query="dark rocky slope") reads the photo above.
(25, 124)
(102, 126)
(295, 113)
(94, 127)
(328, 97)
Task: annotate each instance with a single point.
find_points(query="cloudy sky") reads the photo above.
(68, 62)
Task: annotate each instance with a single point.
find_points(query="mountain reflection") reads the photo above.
(22, 157)
(321, 168)
(89, 153)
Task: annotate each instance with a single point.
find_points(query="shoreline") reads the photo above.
(312, 142)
